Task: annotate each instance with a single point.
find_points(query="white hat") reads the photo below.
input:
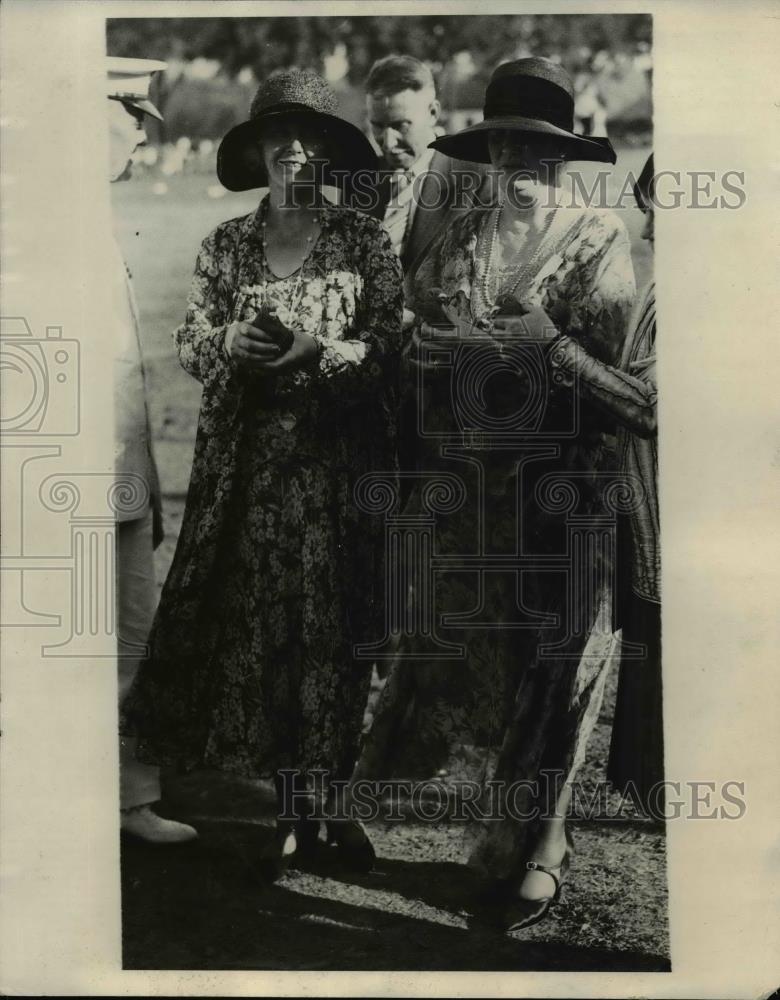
(128, 81)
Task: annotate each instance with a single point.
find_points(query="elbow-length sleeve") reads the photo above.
(200, 340)
(369, 351)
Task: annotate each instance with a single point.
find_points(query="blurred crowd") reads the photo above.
(613, 99)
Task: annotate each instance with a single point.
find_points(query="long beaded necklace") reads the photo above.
(268, 276)
(488, 274)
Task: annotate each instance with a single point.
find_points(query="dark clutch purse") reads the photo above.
(268, 321)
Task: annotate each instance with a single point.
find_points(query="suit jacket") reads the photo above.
(440, 199)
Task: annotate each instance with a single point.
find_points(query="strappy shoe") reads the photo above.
(521, 913)
(358, 856)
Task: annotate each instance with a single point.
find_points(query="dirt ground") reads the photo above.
(205, 906)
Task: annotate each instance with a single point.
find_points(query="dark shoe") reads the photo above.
(307, 834)
(293, 837)
(273, 864)
(521, 913)
(355, 853)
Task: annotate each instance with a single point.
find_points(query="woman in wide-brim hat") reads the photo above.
(534, 630)
(534, 96)
(293, 327)
(308, 101)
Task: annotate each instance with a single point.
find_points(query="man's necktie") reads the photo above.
(399, 204)
(399, 181)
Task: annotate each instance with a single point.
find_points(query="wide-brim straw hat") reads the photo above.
(302, 93)
(535, 96)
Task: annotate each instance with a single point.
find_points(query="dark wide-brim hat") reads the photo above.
(527, 95)
(302, 93)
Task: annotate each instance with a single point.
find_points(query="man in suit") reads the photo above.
(139, 523)
(420, 190)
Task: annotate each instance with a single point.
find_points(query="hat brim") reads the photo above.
(240, 164)
(643, 187)
(472, 143)
(142, 104)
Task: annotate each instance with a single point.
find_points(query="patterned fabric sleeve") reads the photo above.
(425, 276)
(604, 290)
(375, 340)
(200, 339)
(452, 243)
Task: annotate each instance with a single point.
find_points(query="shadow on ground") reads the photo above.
(206, 906)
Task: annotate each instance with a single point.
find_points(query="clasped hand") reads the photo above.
(434, 321)
(268, 346)
(515, 321)
(518, 321)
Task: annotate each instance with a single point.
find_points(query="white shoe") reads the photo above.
(141, 822)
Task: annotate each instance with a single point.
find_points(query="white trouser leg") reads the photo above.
(139, 784)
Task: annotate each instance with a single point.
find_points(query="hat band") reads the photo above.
(293, 107)
(509, 109)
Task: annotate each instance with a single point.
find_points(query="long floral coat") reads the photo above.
(529, 458)
(277, 573)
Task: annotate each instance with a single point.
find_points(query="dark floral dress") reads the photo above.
(506, 679)
(277, 573)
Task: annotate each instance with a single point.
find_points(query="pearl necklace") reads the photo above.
(488, 276)
(297, 290)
